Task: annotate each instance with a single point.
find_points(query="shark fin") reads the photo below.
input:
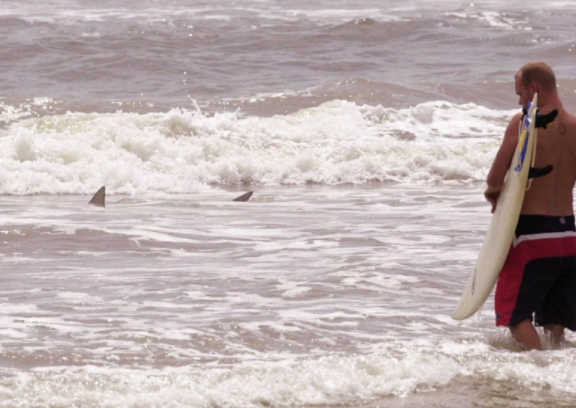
(99, 198)
(244, 197)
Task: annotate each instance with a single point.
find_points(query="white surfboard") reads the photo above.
(500, 233)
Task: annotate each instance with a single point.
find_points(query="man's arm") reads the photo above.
(502, 161)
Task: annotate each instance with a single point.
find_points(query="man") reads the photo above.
(539, 275)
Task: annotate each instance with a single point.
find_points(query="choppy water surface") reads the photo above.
(267, 57)
(314, 295)
(366, 131)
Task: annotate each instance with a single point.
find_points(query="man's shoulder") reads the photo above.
(569, 119)
(567, 123)
(514, 123)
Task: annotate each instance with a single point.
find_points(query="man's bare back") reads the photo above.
(556, 146)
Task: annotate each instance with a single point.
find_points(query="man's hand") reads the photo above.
(492, 194)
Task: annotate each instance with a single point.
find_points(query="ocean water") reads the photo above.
(365, 130)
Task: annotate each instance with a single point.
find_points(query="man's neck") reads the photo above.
(549, 102)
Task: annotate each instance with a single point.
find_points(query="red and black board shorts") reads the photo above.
(539, 275)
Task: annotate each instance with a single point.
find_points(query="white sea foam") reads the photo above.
(392, 371)
(182, 151)
(63, 12)
(493, 19)
(67, 12)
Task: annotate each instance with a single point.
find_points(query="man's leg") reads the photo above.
(556, 334)
(525, 333)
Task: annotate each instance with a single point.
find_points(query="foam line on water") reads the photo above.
(416, 367)
(183, 151)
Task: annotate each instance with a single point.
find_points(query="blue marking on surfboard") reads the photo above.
(522, 155)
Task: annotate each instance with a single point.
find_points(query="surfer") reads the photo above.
(538, 280)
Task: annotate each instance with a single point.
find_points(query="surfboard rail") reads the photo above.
(500, 233)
